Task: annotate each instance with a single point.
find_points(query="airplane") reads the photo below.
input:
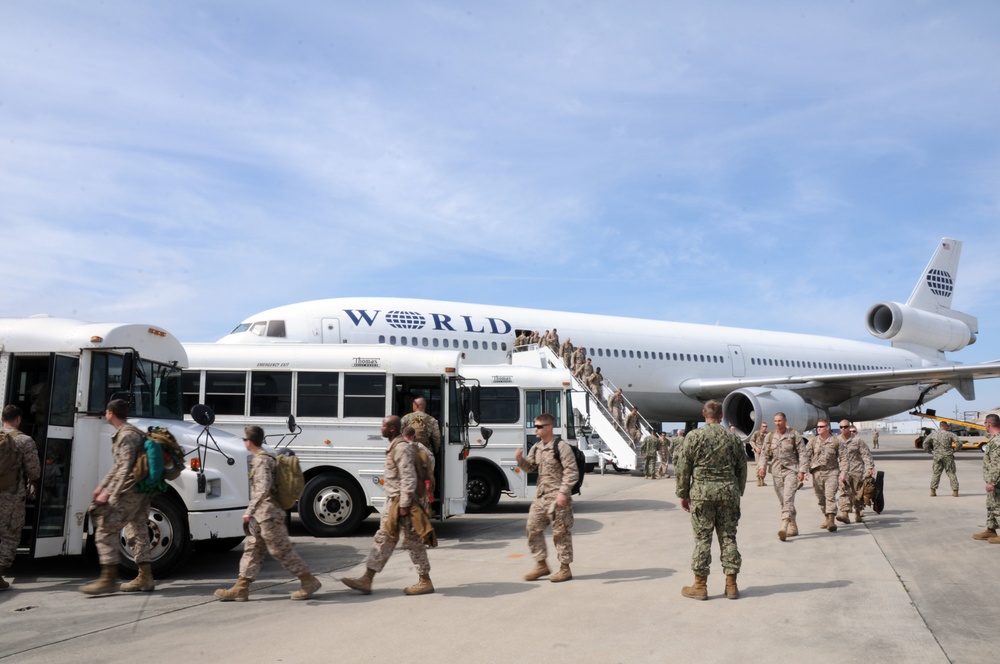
(668, 370)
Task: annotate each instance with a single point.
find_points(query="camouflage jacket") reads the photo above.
(650, 444)
(30, 469)
(262, 505)
(939, 443)
(785, 451)
(553, 476)
(126, 444)
(825, 454)
(855, 457)
(991, 461)
(401, 473)
(712, 465)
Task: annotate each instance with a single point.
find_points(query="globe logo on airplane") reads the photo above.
(405, 320)
(940, 282)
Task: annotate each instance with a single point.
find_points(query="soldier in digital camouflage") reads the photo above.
(711, 478)
(991, 475)
(941, 444)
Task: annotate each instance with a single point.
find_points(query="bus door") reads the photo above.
(537, 402)
(431, 388)
(45, 388)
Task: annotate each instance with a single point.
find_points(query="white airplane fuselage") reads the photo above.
(654, 362)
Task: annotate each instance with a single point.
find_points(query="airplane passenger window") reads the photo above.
(413, 341)
(600, 352)
(381, 338)
(616, 352)
(465, 343)
(392, 339)
(435, 342)
(503, 345)
(475, 344)
(424, 340)
(631, 353)
(402, 341)
(494, 345)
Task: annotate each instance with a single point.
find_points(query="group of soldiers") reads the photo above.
(574, 357)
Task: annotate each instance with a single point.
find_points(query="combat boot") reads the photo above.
(844, 517)
(362, 584)
(760, 481)
(831, 524)
(142, 583)
(783, 531)
(793, 528)
(732, 591)
(240, 592)
(562, 575)
(541, 569)
(985, 535)
(697, 591)
(933, 492)
(423, 586)
(104, 585)
(954, 493)
(310, 584)
(3, 583)
(857, 517)
(994, 540)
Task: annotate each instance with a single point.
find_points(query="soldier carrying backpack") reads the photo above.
(425, 427)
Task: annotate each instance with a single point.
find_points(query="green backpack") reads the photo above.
(288, 479)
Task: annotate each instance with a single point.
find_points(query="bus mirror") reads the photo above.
(487, 433)
(128, 372)
(203, 415)
(291, 424)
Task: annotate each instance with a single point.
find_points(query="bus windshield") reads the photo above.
(157, 391)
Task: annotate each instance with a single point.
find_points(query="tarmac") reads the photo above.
(907, 585)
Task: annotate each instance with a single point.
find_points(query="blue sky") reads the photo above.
(781, 165)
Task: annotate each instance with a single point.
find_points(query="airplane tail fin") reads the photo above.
(927, 322)
(937, 283)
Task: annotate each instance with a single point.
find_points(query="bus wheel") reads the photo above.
(332, 505)
(169, 544)
(482, 489)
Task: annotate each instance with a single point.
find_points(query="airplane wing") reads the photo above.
(830, 389)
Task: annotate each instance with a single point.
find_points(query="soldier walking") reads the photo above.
(406, 516)
(118, 505)
(663, 450)
(785, 452)
(649, 446)
(756, 442)
(264, 522)
(856, 462)
(553, 503)
(942, 444)
(19, 473)
(824, 464)
(632, 425)
(711, 478)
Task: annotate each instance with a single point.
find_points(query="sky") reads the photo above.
(776, 164)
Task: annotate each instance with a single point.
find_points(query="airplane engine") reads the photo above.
(900, 323)
(748, 407)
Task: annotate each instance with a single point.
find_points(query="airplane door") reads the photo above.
(331, 330)
(736, 356)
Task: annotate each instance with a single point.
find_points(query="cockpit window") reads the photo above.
(242, 327)
(276, 328)
(259, 328)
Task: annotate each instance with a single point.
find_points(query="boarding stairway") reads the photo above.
(592, 413)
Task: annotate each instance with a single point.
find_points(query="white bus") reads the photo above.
(338, 396)
(62, 373)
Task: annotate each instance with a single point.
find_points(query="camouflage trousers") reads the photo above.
(543, 512)
(270, 535)
(383, 546)
(11, 524)
(722, 518)
(945, 464)
(662, 467)
(848, 491)
(649, 468)
(130, 511)
(825, 484)
(992, 511)
(786, 483)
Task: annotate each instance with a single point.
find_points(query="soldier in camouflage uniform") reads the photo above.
(23, 478)
(553, 501)
(856, 461)
(676, 443)
(402, 483)
(615, 404)
(942, 444)
(579, 360)
(632, 425)
(431, 425)
(824, 464)
(663, 450)
(117, 504)
(566, 352)
(784, 451)
(553, 342)
(595, 382)
(711, 477)
(991, 475)
(756, 441)
(649, 446)
(264, 521)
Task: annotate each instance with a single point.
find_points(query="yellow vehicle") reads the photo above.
(960, 428)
